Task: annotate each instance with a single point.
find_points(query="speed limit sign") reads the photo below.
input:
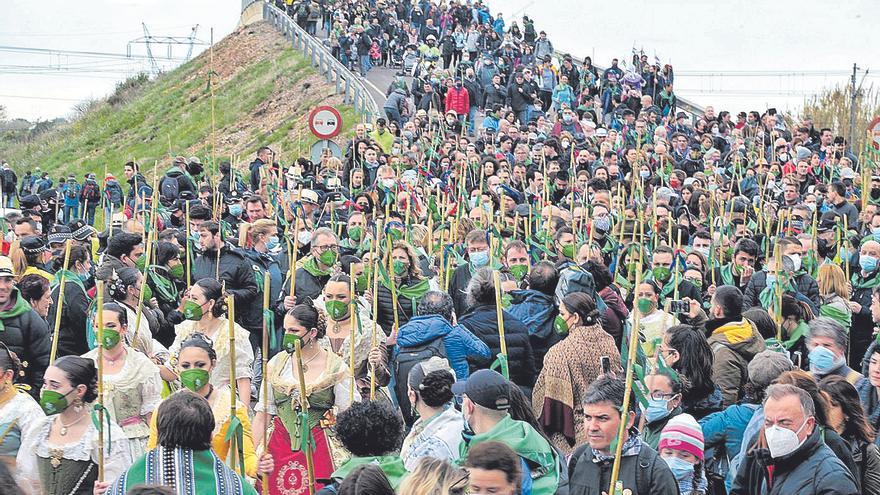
(325, 122)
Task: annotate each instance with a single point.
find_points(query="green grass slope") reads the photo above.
(263, 91)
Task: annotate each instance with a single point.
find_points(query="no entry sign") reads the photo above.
(874, 130)
(325, 122)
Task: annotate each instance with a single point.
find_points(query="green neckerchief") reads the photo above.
(799, 331)
(768, 295)
(667, 288)
(528, 444)
(727, 274)
(69, 276)
(859, 283)
(391, 465)
(837, 314)
(165, 287)
(311, 265)
(20, 307)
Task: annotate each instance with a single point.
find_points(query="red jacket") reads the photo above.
(458, 99)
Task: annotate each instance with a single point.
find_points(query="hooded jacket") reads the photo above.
(811, 469)
(27, 335)
(482, 321)
(537, 311)
(734, 343)
(643, 473)
(459, 342)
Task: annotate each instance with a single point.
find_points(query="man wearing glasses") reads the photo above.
(316, 269)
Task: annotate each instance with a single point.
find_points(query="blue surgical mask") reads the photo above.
(822, 360)
(657, 409)
(272, 243)
(479, 258)
(680, 468)
(771, 278)
(644, 174)
(235, 210)
(876, 234)
(868, 263)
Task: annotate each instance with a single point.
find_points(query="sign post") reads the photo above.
(325, 122)
(874, 130)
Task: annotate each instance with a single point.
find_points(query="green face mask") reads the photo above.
(399, 268)
(560, 325)
(395, 234)
(148, 292)
(519, 271)
(362, 282)
(192, 310)
(53, 402)
(644, 304)
(568, 251)
(194, 378)
(328, 257)
(356, 234)
(177, 271)
(661, 273)
(288, 343)
(336, 309)
(506, 301)
(110, 338)
(141, 262)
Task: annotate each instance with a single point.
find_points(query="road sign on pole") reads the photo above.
(325, 122)
(874, 130)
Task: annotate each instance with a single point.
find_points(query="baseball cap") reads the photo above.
(486, 388)
(6, 267)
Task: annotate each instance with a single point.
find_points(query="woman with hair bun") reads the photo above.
(437, 431)
(18, 410)
(328, 381)
(61, 458)
(204, 308)
(132, 386)
(570, 367)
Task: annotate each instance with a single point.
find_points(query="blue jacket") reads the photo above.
(723, 432)
(459, 342)
(537, 311)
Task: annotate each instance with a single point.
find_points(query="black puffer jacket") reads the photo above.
(237, 272)
(482, 321)
(74, 316)
(811, 469)
(27, 335)
(806, 285)
(385, 308)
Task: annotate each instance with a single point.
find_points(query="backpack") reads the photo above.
(114, 194)
(70, 191)
(407, 358)
(90, 192)
(169, 188)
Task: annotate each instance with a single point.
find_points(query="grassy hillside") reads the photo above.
(262, 92)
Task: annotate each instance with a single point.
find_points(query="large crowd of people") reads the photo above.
(529, 276)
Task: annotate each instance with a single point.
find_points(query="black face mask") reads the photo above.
(875, 193)
(823, 248)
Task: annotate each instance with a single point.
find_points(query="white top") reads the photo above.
(244, 353)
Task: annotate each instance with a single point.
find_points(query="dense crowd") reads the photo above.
(529, 277)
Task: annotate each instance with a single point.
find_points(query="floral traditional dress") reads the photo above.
(290, 476)
(70, 469)
(244, 353)
(19, 412)
(131, 395)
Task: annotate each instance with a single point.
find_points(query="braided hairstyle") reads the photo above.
(199, 341)
(80, 371)
(309, 317)
(10, 361)
(120, 281)
(213, 291)
(582, 305)
(436, 388)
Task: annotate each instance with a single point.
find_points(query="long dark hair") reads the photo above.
(695, 359)
(842, 393)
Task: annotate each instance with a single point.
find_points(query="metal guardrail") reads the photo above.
(688, 107)
(347, 83)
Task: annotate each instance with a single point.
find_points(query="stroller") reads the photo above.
(409, 60)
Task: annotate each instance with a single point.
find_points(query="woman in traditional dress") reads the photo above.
(570, 367)
(194, 364)
(327, 382)
(205, 308)
(18, 410)
(337, 303)
(124, 287)
(132, 386)
(61, 457)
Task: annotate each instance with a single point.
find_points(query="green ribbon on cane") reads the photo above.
(269, 318)
(305, 433)
(235, 437)
(501, 361)
(99, 426)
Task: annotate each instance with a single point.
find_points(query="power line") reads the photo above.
(49, 51)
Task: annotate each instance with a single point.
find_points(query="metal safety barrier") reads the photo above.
(347, 83)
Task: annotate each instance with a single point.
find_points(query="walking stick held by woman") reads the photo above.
(60, 302)
(267, 327)
(99, 322)
(499, 313)
(303, 404)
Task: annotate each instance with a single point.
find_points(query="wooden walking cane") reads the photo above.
(630, 368)
(147, 255)
(99, 322)
(499, 314)
(303, 404)
(267, 284)
(235, 460)
(374, 337)
(353, 323)
(60, 301)
(188, 250)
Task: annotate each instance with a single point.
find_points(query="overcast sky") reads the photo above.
(709, 42)
(96, 26)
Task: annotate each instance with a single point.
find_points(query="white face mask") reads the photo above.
(782, 441)
(796, 259)
(304, 237)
